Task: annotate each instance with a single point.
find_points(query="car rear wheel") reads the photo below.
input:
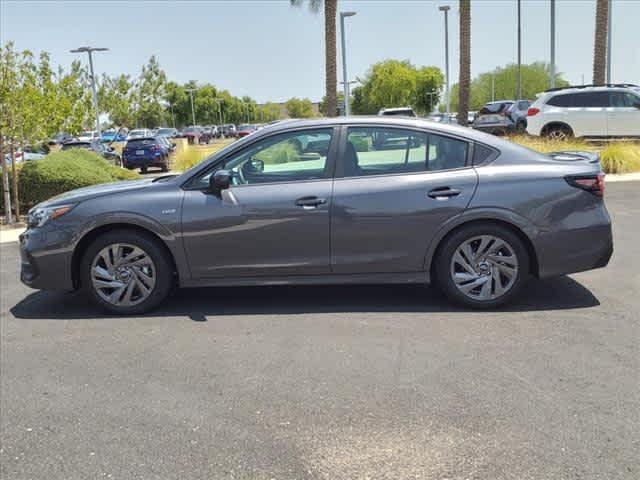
(126, 272)
(558, 132)
(482, 266)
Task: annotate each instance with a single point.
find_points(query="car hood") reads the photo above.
(81, 194)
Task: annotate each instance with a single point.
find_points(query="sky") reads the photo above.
(271, 51)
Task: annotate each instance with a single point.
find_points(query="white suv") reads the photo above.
(590, 111)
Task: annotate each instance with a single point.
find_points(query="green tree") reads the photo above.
(300, 108)
(500, 84)
(150, 111)
(395, 83)
(115, 98)
(331, 79)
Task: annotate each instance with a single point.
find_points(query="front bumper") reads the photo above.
(45, 263)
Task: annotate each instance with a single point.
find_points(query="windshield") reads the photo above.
(165, 131)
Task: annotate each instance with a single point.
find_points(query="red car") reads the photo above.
(244, 130)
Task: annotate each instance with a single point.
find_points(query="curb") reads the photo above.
(625, 177)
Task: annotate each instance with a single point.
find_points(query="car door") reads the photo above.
(394, 188)
(274, 219)
(587, 113)
(623, 114)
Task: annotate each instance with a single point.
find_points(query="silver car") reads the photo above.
(345, 200)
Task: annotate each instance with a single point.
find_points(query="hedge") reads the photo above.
(62, 171)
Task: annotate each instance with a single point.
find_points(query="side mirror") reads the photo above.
(220, 180)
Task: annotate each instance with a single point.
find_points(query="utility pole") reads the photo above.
(445, 9)
(344, 62)
(519, 89)
(493, 86)
(609, 33)
(552, 66)
(193, 111)
(89, 51)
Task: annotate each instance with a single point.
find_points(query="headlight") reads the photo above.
(41, 215)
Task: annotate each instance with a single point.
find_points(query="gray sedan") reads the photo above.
(348, 200)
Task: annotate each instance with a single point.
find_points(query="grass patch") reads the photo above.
(618, 157)
(193, 154)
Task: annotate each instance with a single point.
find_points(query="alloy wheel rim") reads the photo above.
(484, 267)
(558, 135)
(123, 275)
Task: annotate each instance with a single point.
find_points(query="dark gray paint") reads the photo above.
(372, 229)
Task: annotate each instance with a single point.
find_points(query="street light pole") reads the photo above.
(344, 61)
(552, 72)
(445, 9)
(609, 33)
(193, 111)
(89, 51)
(519, 91)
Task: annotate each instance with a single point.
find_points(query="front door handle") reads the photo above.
(310, 202)
(442, 193)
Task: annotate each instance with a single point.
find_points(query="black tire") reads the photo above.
(443, 277)
(521, 126)
(152, 247)
(558, 132)
(165, 165)
(143, 169)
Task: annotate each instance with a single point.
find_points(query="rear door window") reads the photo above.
(387, 151)
(623, 99)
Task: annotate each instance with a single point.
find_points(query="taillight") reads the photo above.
(591, 183)
(532, 111)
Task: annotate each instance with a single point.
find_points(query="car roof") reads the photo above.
(378, 120)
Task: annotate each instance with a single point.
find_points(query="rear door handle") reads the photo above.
(442, 193)
(310, 202)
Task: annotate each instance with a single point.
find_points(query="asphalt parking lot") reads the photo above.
(330, 383)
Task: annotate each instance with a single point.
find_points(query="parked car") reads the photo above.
(246, 129)
(168, 132)
(472, 213)
(95, 146)
(166, 142)
(109, 136)
(399, 111)
(139, 133)
(193, 135)
(89, 136)
(501, 117)
(146, 152)
(586, 111)
(60, 138)
(229, 130)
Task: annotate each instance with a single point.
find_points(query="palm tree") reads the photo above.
(600, 43)
(331, 79)
(465, 62)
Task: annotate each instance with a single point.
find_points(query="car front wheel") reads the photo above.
(126, 272)
(482, 266)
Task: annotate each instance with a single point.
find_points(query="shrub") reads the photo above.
(621, 158)
(63, 171)
(279, 153)
(361, 144)
(193, 154)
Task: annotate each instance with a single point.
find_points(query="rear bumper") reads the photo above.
(573, 251)
(147, 161)
(494, 127)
